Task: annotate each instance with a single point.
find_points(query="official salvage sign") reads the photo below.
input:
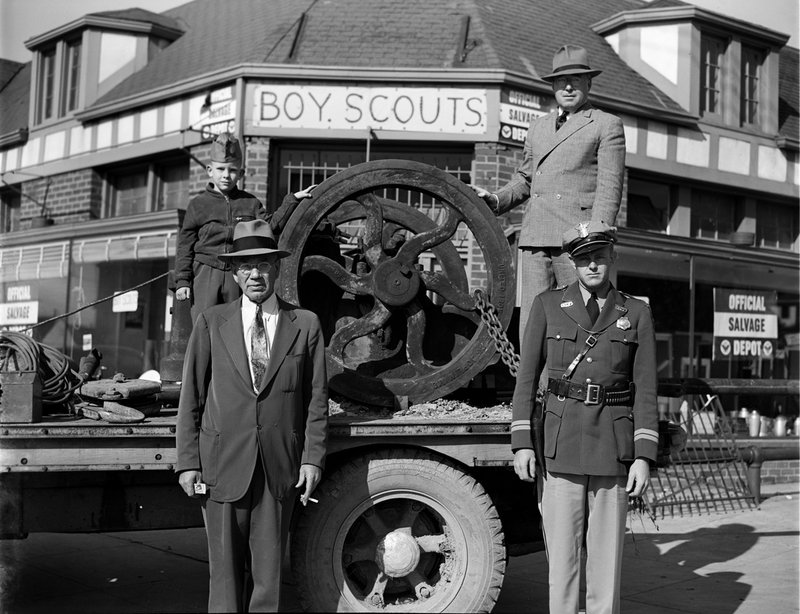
(745, 324)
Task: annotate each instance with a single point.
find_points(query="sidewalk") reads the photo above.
(742, 562)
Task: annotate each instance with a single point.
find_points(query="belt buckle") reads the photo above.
(593, 394)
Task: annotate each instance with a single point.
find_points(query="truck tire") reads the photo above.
(399, 531)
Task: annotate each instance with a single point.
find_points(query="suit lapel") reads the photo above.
(572, 125)
(232, 334)
(286, 332)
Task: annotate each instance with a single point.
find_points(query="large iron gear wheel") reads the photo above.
(392, 329)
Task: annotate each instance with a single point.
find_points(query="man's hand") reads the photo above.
(525, 464)
(310, 475)
(305, 192)
(638, 478)
(188, 479)
(183, 293)
(489, 198)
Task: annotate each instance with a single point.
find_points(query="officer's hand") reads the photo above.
(638, 478)
(183, 293)
(187, 480)
(525, 464)
(310, 475)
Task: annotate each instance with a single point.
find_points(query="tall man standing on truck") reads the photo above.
(600, 419)
(572, 169)
(252, 423)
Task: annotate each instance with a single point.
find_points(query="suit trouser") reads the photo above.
(246, 542)
(210, 287)
(566, 501)
(540, 269)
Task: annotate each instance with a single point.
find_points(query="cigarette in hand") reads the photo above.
(313, 500)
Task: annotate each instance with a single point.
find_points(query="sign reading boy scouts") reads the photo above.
(745, 324)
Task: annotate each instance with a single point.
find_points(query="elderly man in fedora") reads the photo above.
(252, 424)
(572, 170)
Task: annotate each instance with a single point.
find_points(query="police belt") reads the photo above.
(592, 394)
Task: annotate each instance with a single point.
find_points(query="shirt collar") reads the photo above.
(268, 307)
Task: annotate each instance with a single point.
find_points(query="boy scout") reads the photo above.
(600, 421)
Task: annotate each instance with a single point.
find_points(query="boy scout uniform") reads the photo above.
(600, 416)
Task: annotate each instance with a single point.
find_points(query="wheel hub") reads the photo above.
(395, 283)
(397, 554)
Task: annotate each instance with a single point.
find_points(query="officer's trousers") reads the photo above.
(598, 505)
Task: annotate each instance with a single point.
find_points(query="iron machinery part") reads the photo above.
(399, 531)
(398, 315)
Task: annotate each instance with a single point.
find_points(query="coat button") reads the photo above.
(558, 196)
(538, 172)
(558, 336)
(589, 359)
(588, 380)
(258, 427)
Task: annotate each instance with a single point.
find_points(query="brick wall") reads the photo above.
(257, 169)
(780, 471)
(69, 197)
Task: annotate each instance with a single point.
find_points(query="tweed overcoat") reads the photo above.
(571, 175)
(579, 438)
(224, 426)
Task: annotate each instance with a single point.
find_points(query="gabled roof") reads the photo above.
(14, 100)
(512, 35)
(789, 96)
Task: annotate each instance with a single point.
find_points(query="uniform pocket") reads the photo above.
(623, 432)
(623, 349)
(561, 345)
(209, 455)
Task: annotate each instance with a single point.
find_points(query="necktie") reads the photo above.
(561, 120)
(593, 308)
(258, 346)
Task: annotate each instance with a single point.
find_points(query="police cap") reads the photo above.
(588, 235)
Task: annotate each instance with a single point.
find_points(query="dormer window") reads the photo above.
(712, 51)
(72, 75)
(59, 80)
(47, 83)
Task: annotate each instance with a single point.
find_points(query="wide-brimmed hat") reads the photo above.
(586, 236)
(253, 238)
(571, 60)
(226, 148)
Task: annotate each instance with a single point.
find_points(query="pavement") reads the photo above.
(743, 562)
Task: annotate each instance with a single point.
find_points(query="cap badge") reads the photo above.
(583, 229)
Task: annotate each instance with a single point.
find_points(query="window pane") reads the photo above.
(710, 74)
(129, 193)
(173, 187)
(71, 80)
(649, 205)
(751, 67)
(776, 225)
(47, 84)
(713, 215)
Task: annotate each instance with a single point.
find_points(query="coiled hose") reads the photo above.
(19, 352)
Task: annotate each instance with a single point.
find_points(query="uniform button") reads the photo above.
(589, 359)
(558, 336)
(558, 196)
(538, 172)
(588, 380)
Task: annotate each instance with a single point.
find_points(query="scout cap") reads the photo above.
(588, 235)
(225, 148)
(571, 60)
(253, 238)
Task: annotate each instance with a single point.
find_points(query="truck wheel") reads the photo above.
(399, 531)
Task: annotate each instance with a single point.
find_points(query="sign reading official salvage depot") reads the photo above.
(745, 324)
(411, 109)
(517, 110)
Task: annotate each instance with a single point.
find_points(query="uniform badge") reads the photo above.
(620, 308)
(567, 304)
(623, 323)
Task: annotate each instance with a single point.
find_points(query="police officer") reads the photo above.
(600, 419)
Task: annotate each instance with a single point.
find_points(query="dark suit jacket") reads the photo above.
(224, 425)
(579, 438)
(571, 175)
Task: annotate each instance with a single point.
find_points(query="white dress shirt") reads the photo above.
(269, 311)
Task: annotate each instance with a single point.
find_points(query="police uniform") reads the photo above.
(600, 416)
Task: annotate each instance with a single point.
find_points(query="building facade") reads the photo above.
(105, 133)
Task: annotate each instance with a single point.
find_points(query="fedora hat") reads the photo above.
(571, 60)
(253, 238)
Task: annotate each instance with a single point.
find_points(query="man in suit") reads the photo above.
(572, 169)
(252, 424)
(600, 420)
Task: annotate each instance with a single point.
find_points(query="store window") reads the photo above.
(714, 215)
(142, 188)
(10, 201)
(712, 50)
(777, 225)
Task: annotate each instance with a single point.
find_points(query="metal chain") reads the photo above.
(488, 313)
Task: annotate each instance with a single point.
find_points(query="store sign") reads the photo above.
(517, 110)
(129, 301)
(745, 324)
(20, 306)
(409, 109)
(219, 115)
